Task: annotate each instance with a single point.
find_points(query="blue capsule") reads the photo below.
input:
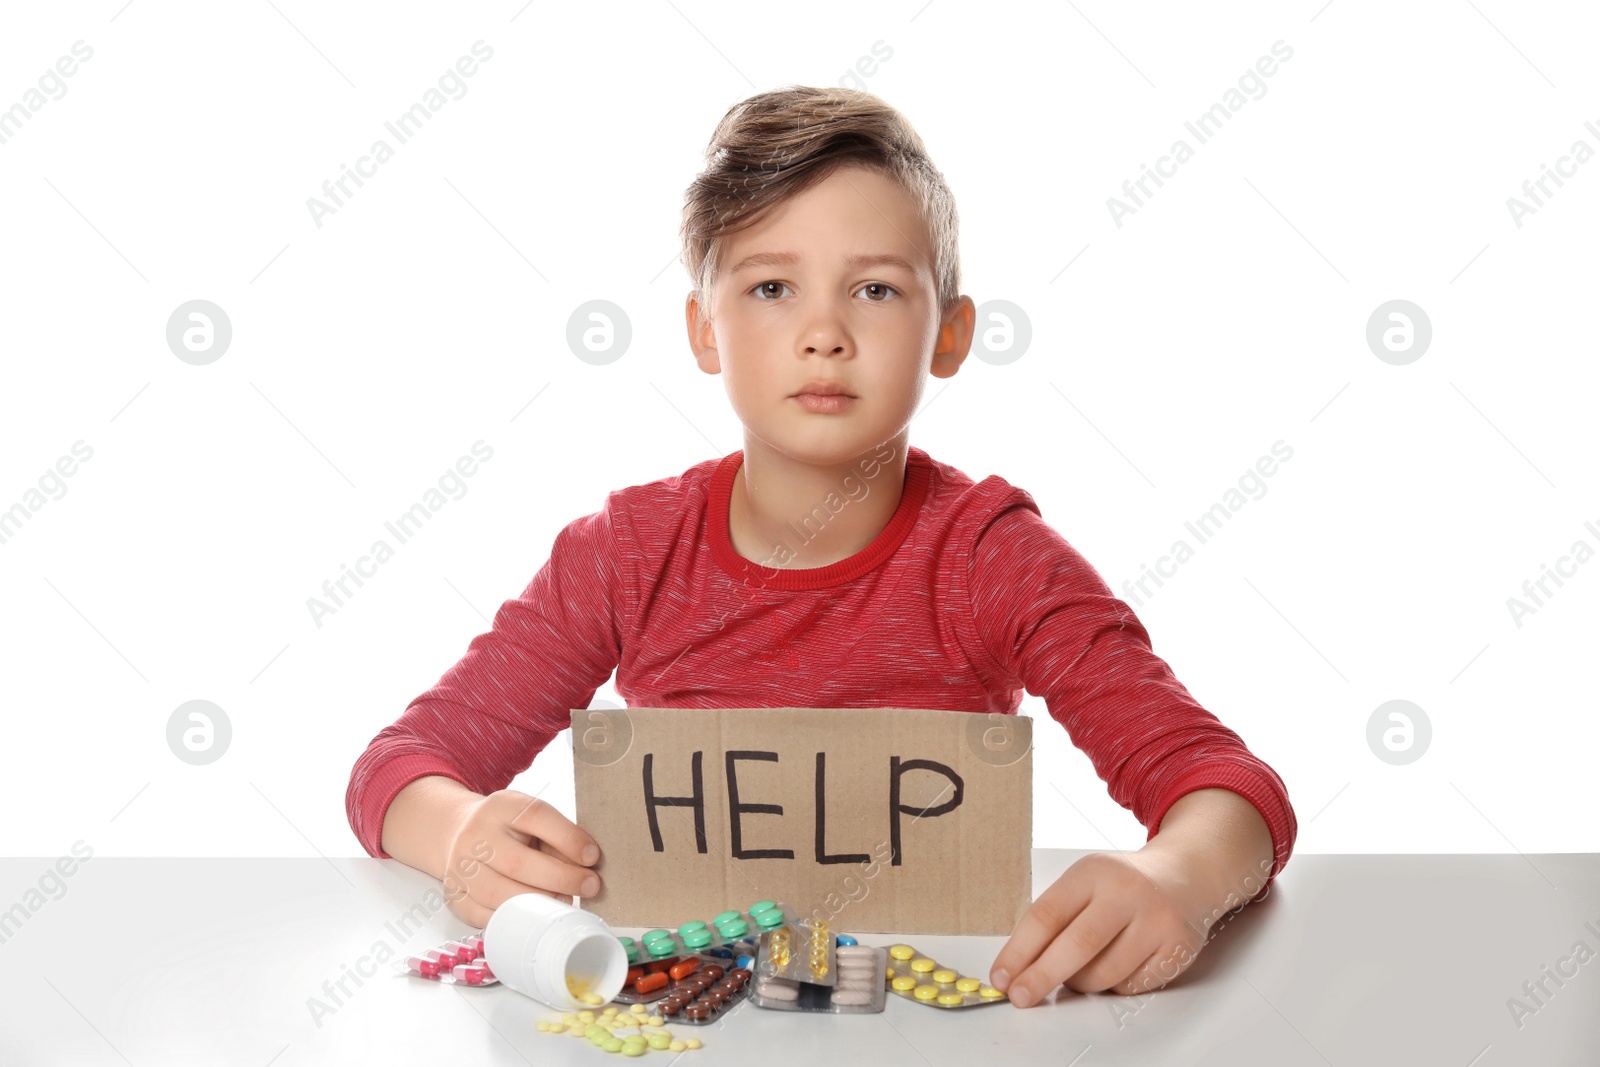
(845, 939)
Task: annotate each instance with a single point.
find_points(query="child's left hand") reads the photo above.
(1125, 922)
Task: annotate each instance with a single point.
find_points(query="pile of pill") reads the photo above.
(458, 962)
(631, 1032)
(582, 993)
(920, 978)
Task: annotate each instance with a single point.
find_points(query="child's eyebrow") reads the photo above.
(789, 259)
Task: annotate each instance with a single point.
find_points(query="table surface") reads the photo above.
(1351, 959)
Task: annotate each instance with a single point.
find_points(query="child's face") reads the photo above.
(872, 326)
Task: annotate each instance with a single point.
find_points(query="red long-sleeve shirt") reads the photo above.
(964, 600)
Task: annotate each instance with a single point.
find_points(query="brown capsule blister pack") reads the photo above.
(704, 995)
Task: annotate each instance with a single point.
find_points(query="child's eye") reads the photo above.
(878, 285)
(762, 288)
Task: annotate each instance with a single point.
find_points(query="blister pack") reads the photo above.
(705, 994)
(921, 978)
(805, 968)
(722, 936)
(458, 962)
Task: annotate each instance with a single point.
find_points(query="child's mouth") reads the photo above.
(824, 405)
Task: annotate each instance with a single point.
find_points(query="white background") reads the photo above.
(1167, 356)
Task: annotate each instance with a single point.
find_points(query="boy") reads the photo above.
(822, 246)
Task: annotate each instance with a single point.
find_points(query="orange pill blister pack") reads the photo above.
(923, 979)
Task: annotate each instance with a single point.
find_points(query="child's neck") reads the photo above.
(795, 516)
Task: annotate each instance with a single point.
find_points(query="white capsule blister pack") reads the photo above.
(803, 967)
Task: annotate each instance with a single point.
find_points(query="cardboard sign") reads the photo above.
(884, 820)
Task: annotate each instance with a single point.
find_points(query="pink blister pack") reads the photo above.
(458, 962)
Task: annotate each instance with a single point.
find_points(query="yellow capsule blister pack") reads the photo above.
(922, 979)
(804, 967)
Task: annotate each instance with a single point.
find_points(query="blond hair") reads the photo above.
(777, 144)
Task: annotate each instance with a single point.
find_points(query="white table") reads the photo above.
(1352, 960)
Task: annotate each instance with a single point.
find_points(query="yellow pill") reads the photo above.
(586, 1016)
(922, 965)
(945, 976)
(693, 1042)
(677, 1046)
(654, 1020)
(951, 998)
(569, 1017)
(902, 952)
(925, 992)
(904, 983)
(968, 985)
(990, 993)
(543, 1027)
(611, 1009)
(593, 999)
(888, 972)
(639, 1009)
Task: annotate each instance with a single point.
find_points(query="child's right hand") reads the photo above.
(509, 843)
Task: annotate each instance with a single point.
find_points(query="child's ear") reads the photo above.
(955, 338)
(702, 335)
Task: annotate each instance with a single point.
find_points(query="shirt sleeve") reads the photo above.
(1048, 619)
(547, 652)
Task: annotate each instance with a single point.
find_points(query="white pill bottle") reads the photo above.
(543, 948)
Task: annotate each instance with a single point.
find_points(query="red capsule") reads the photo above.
(467, 974)
(686, 967)
(634, 974)
(650, 982)
(423, 966)
(661, 965)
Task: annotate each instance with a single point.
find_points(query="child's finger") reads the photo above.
(1095, 927)
(1113, 964)
(537, 868)
(544, 822)
(1159, 968)
(470, 912)
(492, 884)
(1038, 927)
